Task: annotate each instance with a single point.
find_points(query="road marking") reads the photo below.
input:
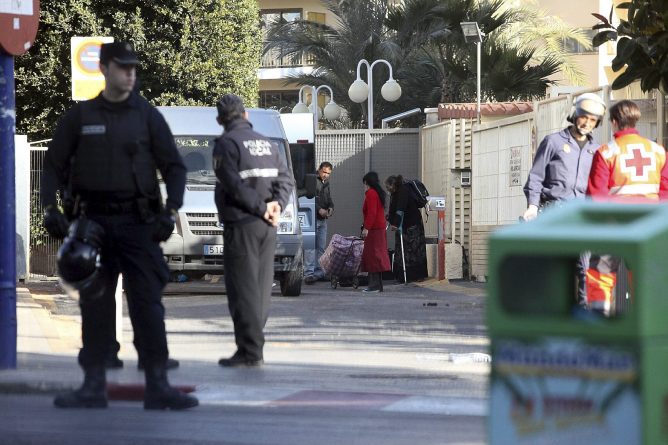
(447, 406)
(238, 395)
(338, 399)
(231, 395)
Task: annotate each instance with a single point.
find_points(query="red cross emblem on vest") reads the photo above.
(637, 162)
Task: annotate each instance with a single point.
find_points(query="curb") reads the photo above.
(23, 388)
(129, 392)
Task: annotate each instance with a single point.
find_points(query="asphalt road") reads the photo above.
(342, 367)
(32, 420)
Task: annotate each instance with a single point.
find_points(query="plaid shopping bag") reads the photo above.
(343, 256)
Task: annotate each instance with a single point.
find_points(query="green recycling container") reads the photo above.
(563, 375)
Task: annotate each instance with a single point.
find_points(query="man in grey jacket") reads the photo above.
(561, 167)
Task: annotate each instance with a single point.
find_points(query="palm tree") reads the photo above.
(515, 64)
(424, 43)
(534, 30)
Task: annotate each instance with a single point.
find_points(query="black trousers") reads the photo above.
(128, 249)
(249, 272)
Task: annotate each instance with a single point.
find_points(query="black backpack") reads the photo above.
(418, 191)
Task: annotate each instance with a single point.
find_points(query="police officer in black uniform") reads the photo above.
(253, 187)
(103, 158)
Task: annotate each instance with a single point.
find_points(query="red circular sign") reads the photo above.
(19, 20)
(88, 57)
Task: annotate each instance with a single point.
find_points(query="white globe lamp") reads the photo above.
(391, 91)
(332, 111)
(358, 91)
(300, 108)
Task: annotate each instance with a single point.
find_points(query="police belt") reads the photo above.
(112, 208)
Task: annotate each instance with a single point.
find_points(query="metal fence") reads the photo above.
(43, 248)
(352, 152)
(355, 152)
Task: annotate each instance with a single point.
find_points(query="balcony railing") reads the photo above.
(272, 59)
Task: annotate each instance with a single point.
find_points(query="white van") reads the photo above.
(196, 246)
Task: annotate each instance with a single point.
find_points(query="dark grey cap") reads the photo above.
(230, 107)
(120, 52)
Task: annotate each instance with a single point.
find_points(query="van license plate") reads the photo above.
(302, 220)
(213, 249)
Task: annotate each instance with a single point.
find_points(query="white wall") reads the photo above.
(497, 199)
(22, 181)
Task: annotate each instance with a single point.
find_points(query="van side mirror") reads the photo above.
(310, 186)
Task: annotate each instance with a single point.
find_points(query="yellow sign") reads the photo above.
(87, 80)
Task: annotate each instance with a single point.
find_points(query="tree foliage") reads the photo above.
(642, 43)
(423, 41)
(509, 71)
(191, 51)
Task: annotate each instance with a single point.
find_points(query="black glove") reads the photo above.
(164, 225)
(55, 222)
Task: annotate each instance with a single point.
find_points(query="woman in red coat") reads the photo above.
(375, 260)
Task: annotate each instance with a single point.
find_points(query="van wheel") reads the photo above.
(291, 282)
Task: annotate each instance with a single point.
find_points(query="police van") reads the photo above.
(196, 245)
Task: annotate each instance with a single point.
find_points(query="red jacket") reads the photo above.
(373, 211)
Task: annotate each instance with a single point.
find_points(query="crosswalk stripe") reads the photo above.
(231, 395)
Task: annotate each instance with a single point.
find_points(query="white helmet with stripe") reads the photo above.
(590, 104)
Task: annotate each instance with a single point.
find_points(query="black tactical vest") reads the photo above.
(114, 155)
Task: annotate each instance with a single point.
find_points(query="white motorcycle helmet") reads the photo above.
(590, 104)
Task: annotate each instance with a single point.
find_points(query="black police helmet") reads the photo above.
(78, 260)
(87, 230)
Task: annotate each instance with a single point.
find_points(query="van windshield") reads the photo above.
(197, 152)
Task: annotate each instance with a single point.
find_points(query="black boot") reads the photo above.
(113, 362)
(374, 285)
(171, 364)
(92, 394)
(160, 395)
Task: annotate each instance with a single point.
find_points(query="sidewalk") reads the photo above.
(296, 372)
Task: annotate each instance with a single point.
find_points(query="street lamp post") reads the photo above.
(359, 91)
(331, 111)
(472, 33)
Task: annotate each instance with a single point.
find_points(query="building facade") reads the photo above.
(595, 63)
(274, 70)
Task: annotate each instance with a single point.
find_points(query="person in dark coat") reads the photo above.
(104, 155)
(324, 207)
(406, 220)
(254, 186)
(374, 256)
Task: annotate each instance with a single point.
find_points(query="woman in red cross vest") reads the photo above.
(632, 169)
